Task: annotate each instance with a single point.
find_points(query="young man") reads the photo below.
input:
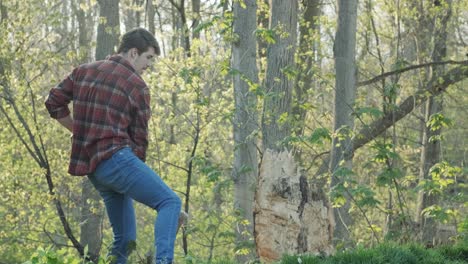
(111, 109)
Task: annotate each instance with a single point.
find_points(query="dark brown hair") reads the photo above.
(138, 38)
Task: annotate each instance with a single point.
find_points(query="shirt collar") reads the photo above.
(121, 60)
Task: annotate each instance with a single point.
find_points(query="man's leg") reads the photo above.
(134, 178)
(121, 215)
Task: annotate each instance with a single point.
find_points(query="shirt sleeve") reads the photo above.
(138, 129)
(59, 98)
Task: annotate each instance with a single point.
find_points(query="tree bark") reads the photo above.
(263, 23)
(108, 28)
(345, 90)
(185, 36)
(196, 18)
(309, 25)
(91, 209)
(92, 215)
(287, 219)
(245, 168)
(151, 12)
(278, 84)
(129, 18)
(430, 152)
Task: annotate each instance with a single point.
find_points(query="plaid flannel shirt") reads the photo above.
(111, 109)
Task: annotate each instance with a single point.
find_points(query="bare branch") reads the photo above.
(413, 67)
(170, 164)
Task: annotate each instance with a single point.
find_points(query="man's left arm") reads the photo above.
(66, 122)
(58, 100)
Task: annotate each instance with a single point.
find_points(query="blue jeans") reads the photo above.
(123, 178)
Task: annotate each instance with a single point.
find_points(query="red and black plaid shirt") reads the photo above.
(111, 109)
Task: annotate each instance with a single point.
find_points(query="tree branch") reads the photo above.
(435, 87)
(413, 67)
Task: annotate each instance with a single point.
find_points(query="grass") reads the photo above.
(389, 254)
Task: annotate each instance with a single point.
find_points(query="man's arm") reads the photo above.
(67, 122)
(138, 131)
(58, 100)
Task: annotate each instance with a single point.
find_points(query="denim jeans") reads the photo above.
(124, 178)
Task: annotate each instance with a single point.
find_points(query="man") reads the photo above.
(111, 109)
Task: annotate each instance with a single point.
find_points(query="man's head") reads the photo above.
(139, 47)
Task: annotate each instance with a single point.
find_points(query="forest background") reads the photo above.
(285, 126)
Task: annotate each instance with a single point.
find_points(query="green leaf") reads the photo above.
(337, 195)
(372, 111)
(266, 35)
(319, 136)
(364, 196)
(438, 121)
(388, 175)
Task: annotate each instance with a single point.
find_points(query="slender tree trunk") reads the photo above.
(83, 40)
(245, 125)
(91, 233)
(309, 26)
(129, 18)
(263, 23)
(151, 12)
(92, 215)
(137, 12)
(108, 28)
(91, 209)
(430, 153)
(179, 7)
(345, 89)
(196, 18)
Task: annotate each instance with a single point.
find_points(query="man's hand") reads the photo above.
(67, 122)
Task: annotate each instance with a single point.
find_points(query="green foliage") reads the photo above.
(438, 121)
(364, 196)
(388, 254)
(371, 111)
(319, 135)
(266, 35)
(442, 175)
(51, 255)
(194, 95)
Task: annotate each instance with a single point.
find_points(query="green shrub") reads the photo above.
(389, 254)
(51, 255)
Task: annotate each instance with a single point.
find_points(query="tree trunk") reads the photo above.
(245, 168)
(430, 152)
(91, 209)
(108, 28)
(279, 84)
(179, 8)
(92, 214)
(345, 89)
(287, 219)
(129, 18)
(83, 40)
(196, 18)
(262, 22)
(151, 12)
(309, 26)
